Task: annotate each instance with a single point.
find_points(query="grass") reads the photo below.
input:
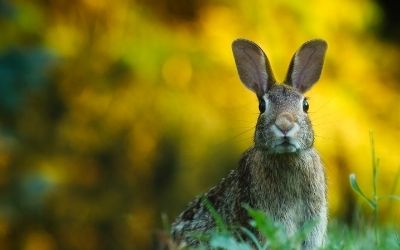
(340, 236)
(375, 198)
(362, 236)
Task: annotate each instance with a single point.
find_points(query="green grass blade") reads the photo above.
(354, 185)
(252, 237)
(263, 224)
(228, 242)
(221, 226)
(374, 165)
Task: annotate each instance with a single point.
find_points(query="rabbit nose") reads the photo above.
(285, 122)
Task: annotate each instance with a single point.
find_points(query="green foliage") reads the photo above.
(228, 241)
(373, 201)
(354, 185)
(220, 224)
(231, 237)
(340, 236)
(275, 232)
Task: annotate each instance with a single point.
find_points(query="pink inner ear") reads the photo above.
(307, 67)
(252, 65)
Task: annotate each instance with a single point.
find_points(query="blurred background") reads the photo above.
(113, 113)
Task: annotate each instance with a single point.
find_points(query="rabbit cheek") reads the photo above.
(306, 137)
(261, 137)
(309, 136)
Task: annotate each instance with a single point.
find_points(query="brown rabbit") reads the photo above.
(282, 173)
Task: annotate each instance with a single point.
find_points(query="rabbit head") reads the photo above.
(283, 126)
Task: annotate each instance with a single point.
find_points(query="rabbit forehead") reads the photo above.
(283, 95)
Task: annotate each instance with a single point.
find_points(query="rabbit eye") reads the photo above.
(261, 106)
(305, 105)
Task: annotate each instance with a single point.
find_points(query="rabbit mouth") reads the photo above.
(285, 145)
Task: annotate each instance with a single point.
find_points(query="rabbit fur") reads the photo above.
(281, 174)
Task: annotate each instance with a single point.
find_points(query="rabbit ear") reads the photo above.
(306, 65)
(253, 66)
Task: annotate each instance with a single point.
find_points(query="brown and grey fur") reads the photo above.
(282, 173)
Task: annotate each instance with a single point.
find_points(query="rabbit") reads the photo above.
(281, 174)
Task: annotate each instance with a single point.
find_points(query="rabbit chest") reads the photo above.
(290, 189)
